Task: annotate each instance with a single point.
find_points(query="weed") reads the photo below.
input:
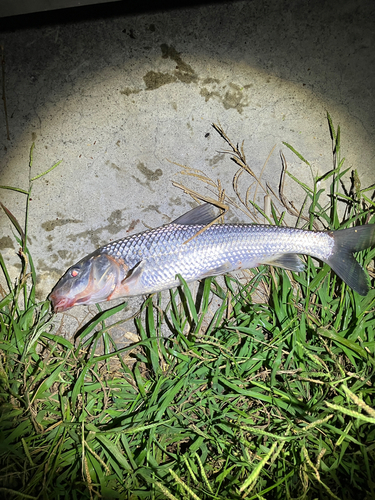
(249, 400)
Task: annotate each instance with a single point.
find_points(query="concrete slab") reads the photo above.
(116, 98)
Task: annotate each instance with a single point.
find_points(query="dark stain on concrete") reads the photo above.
(66, 255)
(53, 258)
(184, 72)
(156, 79)
(50, 225)
(232, 98)
(148, 173)
(92, 236)
(128, 91)
(216, 159)
(132, 225)
(145, 184)
(53, 272)
(153, 208)
(207, 81)
(210, 94)
(6, 242)
(115, 222)
(114, 226)
(186, 77)
(175, 201)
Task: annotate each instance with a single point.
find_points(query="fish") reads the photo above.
(195, 247)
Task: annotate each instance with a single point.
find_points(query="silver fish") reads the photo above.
(149, 261)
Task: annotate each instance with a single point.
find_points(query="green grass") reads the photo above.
(253, 400)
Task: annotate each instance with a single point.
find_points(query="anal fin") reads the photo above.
(289, 261)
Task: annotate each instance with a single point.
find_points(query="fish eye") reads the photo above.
(74, 272)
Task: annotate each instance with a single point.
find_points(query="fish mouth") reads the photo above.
(61, 304)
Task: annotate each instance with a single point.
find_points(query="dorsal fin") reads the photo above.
(202, 215)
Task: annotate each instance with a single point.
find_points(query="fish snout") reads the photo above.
(61, 303)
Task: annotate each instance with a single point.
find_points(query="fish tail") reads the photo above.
(342, 261)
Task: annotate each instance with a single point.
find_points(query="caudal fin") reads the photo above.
(342, 261)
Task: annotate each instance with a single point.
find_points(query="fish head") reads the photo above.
(91, 280)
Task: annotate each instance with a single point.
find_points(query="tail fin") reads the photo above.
(342, 261)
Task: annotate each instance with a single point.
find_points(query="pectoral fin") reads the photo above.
(130, 285)
(134, 274)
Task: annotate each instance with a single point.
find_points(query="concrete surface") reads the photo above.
(116, 98)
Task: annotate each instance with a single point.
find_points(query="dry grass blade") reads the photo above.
(194, 172)
(238, 157)
(222, 197)
(197, 196)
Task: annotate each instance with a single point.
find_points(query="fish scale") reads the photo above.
(149, 262)
(164, 253)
